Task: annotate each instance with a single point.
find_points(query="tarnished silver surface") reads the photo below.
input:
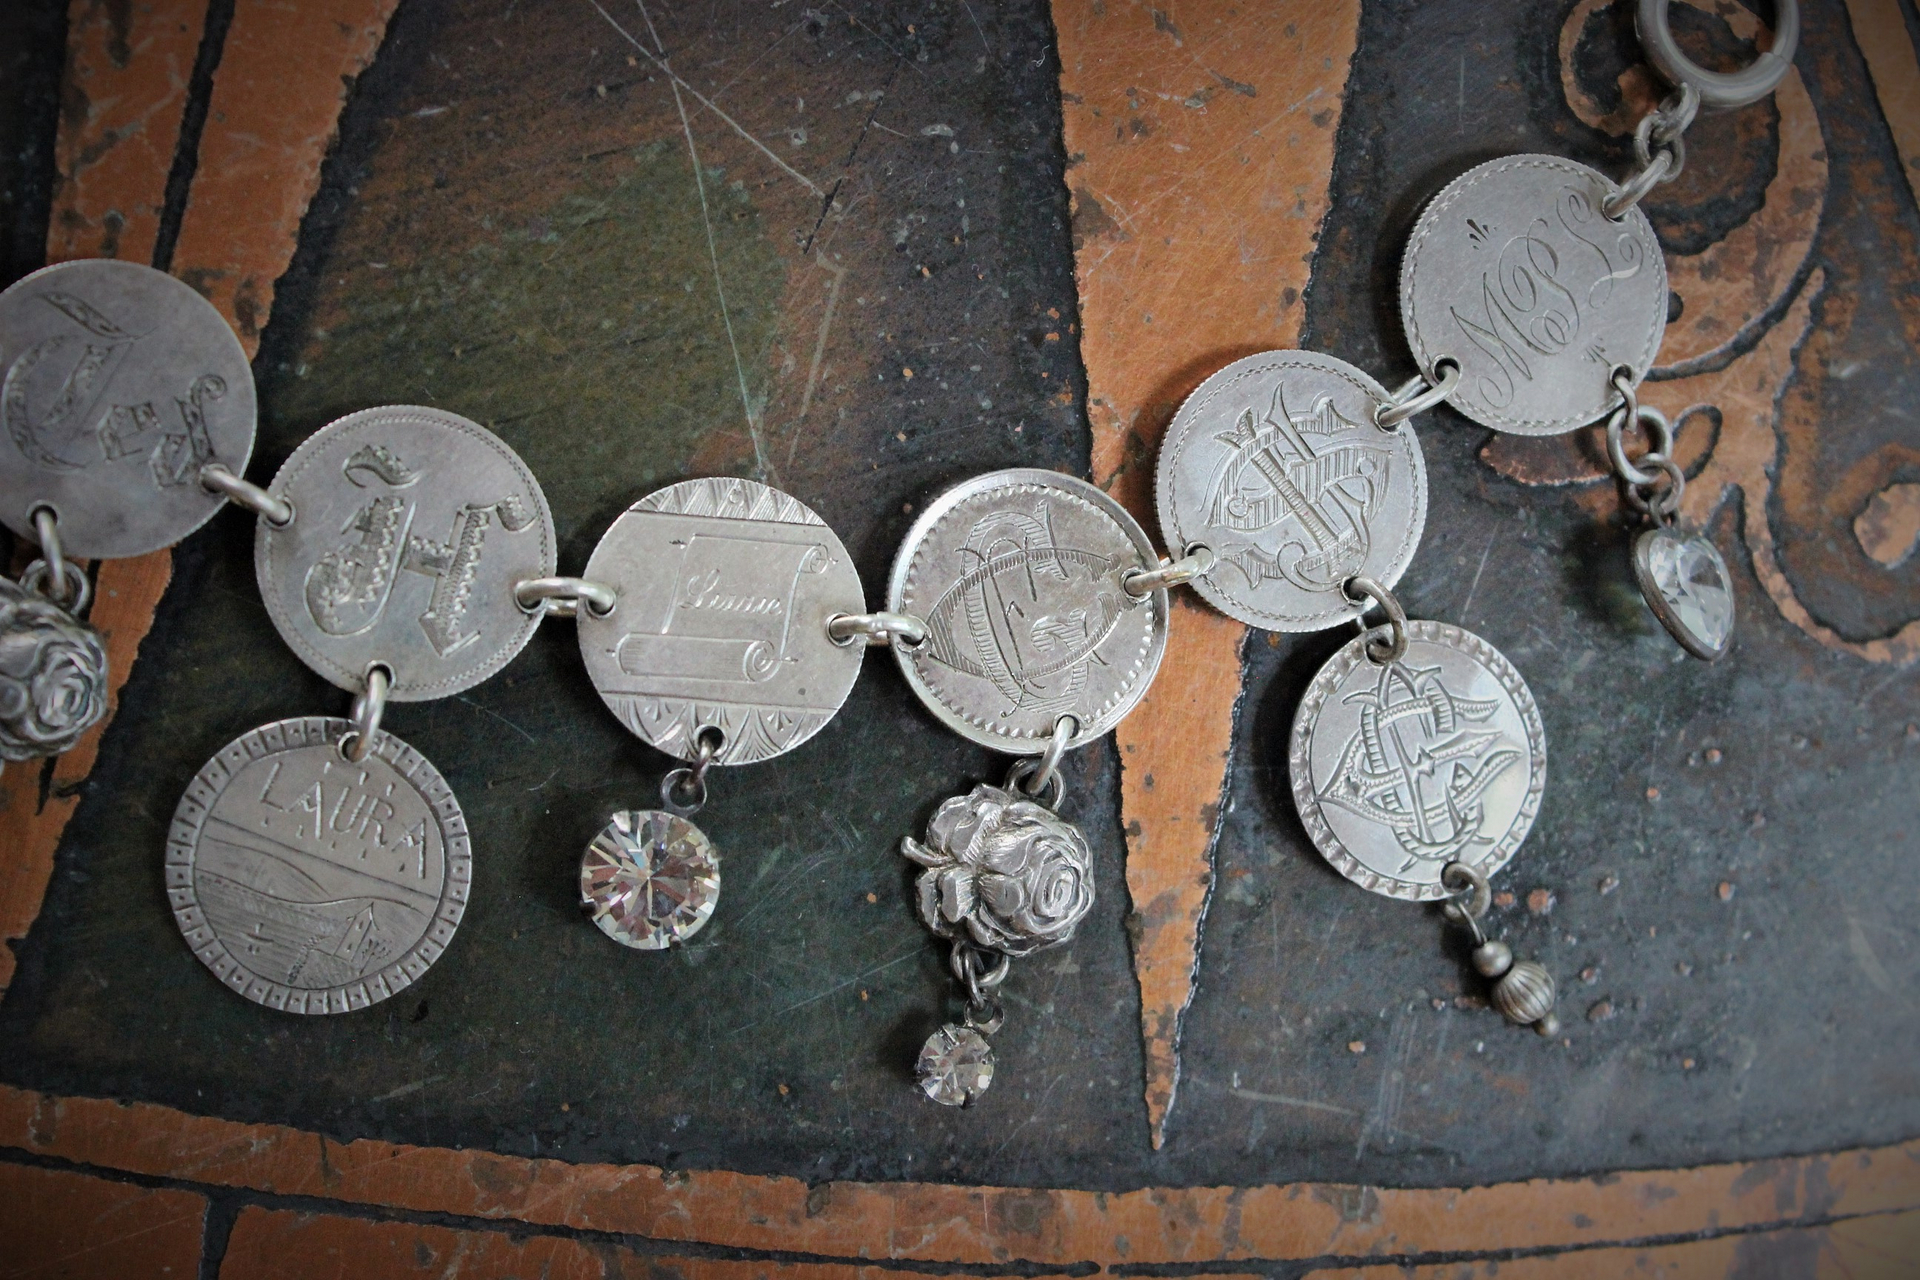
(310, 884)
(411, 527)
(1019, 576)
(1276, 465)
(1514, 272)
(1002, 871)
(724, 590)
(1687, 585)
(1400, 769)
(53, 675)
(120, 384)
(1724, 89)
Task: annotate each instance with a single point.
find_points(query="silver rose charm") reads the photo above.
(1002, 871)
(53, 675)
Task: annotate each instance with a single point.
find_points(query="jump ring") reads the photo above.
(1472, 894)
(1365, 592)
(1408, 400)
(1196, 563)
(217, 478)
(1659, 443)
(902, 629)
(562, 597)
(1652, 499)
(79, 589)
(369, 705)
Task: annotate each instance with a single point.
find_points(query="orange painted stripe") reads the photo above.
(987, 1225)
(1200, 150)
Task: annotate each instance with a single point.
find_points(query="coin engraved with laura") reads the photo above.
(1276, 465)
(724, 590)
(120, 384)
(1018, 575)
(1399, 769)
(309, 883)
(411, 526)
(1515, 273)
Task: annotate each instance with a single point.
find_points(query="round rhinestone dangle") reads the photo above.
(651, 878)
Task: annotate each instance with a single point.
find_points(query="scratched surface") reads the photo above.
(637, 274)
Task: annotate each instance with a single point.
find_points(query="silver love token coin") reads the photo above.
(309, 883)
(1018, 576)
(1275, 464)
(411, 526)
(724, 590)
(1514, 273)
(1687, 585)
(1399, 769)
(121, 383)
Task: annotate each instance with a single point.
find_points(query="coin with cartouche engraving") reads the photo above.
(1018, 576)
(312, 884)
(1399, 769)
(1514, 273)
(724, 590)
(411, 526)
(121, 383)
(1275, 464)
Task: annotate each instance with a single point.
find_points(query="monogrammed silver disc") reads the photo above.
(410, 527)
(724, 589)
(1275, 464)
(1514, 272)
(1400, 769)
(1018, 576)
(120, 384)
(312, 884)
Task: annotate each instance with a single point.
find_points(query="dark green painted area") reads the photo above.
(537, 239)
(585, 331)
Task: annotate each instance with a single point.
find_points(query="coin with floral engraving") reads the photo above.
(1275, 465)
(1514, 273)
(1400, 768)
(411, 526)
(311, 883)
(1019, 576)
(120, 384)
(723, 591)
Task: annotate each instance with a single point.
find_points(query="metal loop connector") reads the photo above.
(1472, 895)
(1417, 395)
(684, 790)
(902, 629)
(46, 527)
(971, 971)
(1196, 563)
(369, 705)
(1722, 89)
(77, 590)
(1638, 183)
(1659, 434)
(1034, 778)
(217, 478)
(1657, 501)
(1366, 593)
(562, 597)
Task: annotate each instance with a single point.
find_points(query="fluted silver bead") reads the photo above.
(1526, 993)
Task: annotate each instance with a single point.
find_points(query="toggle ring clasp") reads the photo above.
(1724, 89)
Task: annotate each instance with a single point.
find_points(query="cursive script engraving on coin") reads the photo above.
(1018, 575)
(1515, 273)
(724, 590)
(411, 526)
(311, 884)
(1399, 769)
(120, 384)
(1276, 465)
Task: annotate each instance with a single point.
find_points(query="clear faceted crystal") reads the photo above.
(1694, 593)
(956, 1065)
(650, 878)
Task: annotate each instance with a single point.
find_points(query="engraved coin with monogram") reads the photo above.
(1043, 609)
(1277, 465)
(1418, 761)
(121, 385)
(725, 588)
(312, 883)
(411, 527)
(1515, 274)
(1402, 767)
(722, 622)
(1019, 577)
